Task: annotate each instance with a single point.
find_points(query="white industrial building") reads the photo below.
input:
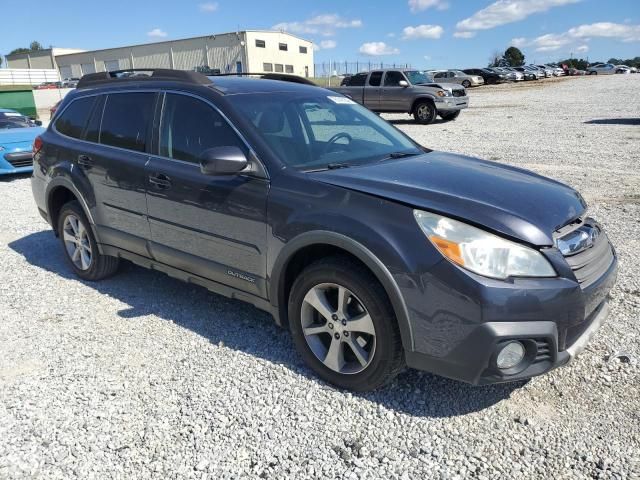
(254, 51)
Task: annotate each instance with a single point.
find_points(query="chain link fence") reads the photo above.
(331, 69)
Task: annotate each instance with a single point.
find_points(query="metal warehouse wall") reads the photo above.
(214, 51)
(42, 59)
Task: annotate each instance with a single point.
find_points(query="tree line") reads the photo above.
(513, 57)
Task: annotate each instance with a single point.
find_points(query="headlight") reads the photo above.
(482, 252)
(443, 93)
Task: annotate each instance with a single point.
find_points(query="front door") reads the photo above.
(212, 226)
(393, 97)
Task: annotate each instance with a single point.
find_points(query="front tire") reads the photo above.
(80, 246)
(343, 325)
(449, 117)
(466, 83)
(425, 112)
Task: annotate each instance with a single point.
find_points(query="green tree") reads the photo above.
(19, 50)
(514, 57)
(35, 46)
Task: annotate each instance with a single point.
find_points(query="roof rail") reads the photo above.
(283, 77)
(143, 74)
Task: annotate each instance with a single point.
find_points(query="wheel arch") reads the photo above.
(310, 246)
(60, 191)
(421, 99)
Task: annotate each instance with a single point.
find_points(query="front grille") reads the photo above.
(543, 350)
(459, 93)
(589, 263)
(19, 159)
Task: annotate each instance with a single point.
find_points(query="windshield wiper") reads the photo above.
(329, 166)
(394, 155)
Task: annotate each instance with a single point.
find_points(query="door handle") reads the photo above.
(160, 181)
(85, 162)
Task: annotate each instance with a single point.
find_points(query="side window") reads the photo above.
(392, 79)
(189, 126)
(439, 75)
(126, 120)
(375, 79)
(93, 129)
(358, 80)
(74, 118)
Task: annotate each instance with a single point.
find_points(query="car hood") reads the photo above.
(443, 86)
(505, 199)
(19, 135)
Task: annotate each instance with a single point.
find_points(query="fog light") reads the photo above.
(510, 355)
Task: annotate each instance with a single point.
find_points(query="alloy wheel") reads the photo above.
(338, 328)
(424, 111)
(76, 242)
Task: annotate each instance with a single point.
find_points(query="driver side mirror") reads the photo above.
(223, 161)
(38, 122)
(403, 83)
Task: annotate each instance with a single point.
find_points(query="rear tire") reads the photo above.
(80, 246)
(343, 325)
(449, 117)
(425, 112)
(466, 83)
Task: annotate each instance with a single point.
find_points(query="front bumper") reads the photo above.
(554, 318)
(16, 162)
(451, 104)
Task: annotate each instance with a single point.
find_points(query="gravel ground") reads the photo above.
(142, 376)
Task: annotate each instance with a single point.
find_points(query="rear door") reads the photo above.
(109, 162)
(372, 91)
(114, 163)
(213, 226)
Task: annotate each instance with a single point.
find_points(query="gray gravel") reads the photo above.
(142, 376)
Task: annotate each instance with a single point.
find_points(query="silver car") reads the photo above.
(601, 69)
(511, 73)
(457, 76)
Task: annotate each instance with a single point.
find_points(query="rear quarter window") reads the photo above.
(73, 120)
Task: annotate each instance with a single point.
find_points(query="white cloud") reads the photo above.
(502, 12)
(420, 5)
(576, 36)
(422, 31)
(464, 34)
(325, 24)
(376, 49)
(208, 7)
(328, 44)
(157, 33)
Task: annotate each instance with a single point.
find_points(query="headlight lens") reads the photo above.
(443, 93)
(482, 252)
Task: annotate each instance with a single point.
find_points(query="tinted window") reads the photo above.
(93, 129)
(260, 43)
(267, 67)
(279, 67)
(392, 79)
(126, 120)
(74, 118)
(190, 126)
(357, 80)
(303, 49)
(288, 68)
(283, 47)
(375, 79)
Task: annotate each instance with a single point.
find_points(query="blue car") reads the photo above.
(17, 133)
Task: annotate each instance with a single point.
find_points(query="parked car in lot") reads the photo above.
(47, 86)
(601, 69)
(488, 76)
(406, 91)
(17, 134)
(70, 82)
(457, 76)
(548, 72)
(526, 73)
(625, 69)
(510, 74)
(373, 250)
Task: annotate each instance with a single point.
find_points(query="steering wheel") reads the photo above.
(334, 139)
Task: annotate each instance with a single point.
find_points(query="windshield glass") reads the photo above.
(310, 131)
(416, 77)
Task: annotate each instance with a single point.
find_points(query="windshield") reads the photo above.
(416, 77)
(311, 131)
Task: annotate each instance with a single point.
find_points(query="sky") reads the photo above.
(423, 33)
